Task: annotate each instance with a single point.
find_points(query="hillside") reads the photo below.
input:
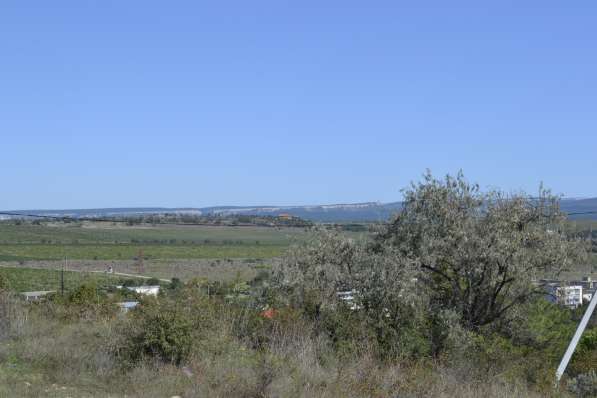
(359, 212)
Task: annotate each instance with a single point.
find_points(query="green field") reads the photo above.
(104, 241)
(103, 232)
(31, 279)
(212, 252)
(102, 251)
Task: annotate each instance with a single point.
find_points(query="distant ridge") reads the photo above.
(349, 212)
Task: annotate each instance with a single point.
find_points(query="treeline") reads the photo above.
(176, 218)
(217, 220)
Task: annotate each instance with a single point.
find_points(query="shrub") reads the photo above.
(160, 332)
(4, 283)
(166, 329)
(152, 282)
(584, 385)
(175, 284)
(86, 302)
(585, 357)
(387, 314)
(130, 283)
(86, 294)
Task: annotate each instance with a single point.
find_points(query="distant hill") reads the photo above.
(355, 212)
(580, 206)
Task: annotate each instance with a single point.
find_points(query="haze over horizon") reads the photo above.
(137, 104)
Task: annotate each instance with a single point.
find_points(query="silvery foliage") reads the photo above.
(387, 284)
(329, 263)
(478, 253)
(452, 249)
(317, 269)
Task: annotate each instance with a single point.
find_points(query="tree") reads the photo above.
(152, 282)
(313, 273)
(454, 261)
(478, 254)
(86, 294)
(354, 293)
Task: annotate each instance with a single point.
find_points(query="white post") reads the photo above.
(579, 331)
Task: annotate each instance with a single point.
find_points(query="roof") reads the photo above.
(153, 290)
(37, 293)
(128, 304)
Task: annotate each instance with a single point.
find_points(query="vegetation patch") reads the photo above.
(32, 279)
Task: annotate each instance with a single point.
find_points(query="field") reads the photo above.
(60, 349)
(102, 251)
(32, 279)
(211, 252)
(111, 233)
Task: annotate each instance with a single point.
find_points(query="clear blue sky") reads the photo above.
(185, 103)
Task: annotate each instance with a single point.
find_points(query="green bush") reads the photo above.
(86, 302)
(167, 329)
(160, 332)
(152, 282)
(86, 294)
(585, 357)
(175, 284)
(4, 283)
(130, 283)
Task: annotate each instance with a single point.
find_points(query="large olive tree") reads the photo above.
(478, 254)
(453, 259)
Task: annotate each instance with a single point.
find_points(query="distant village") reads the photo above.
(570, 294)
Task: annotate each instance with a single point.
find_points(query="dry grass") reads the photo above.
(46, 356)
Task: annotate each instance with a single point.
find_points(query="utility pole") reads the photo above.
(577, 335)
(140, 264)
(62, 276)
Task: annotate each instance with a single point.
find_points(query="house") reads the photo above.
(126, 306)
(36, 296)
(589, 287)
(348, 298)
(145, 290)
(570, 296)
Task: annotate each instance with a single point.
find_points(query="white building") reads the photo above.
(38, 295)
(348, 298)
(126, 306)
(570, 296)
(146, 290)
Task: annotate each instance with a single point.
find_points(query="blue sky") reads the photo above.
(188, 103)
